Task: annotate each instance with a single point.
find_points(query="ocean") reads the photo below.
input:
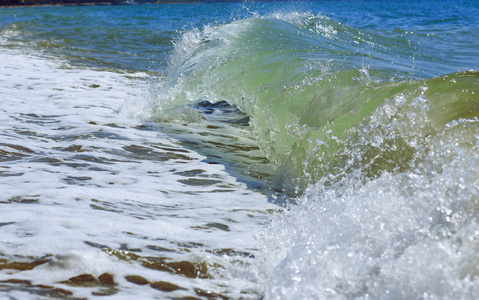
(247, 150)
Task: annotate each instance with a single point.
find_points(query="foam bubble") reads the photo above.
(87, 190)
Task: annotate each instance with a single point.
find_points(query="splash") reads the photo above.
(382, 157)
(310, 93)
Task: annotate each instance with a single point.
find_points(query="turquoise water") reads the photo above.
(277, 150)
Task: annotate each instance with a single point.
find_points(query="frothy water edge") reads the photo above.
(125, 196)
(103, 196)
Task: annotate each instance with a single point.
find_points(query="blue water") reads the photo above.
(142, 37)
(247, 150)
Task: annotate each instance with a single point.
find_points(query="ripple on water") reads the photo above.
(114, 203)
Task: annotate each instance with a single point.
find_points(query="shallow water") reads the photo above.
(89, 191)
(245, 150)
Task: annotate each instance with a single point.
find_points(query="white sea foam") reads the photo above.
(81, 182)
(401, 235)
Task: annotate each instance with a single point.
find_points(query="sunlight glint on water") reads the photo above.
(240, 150)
